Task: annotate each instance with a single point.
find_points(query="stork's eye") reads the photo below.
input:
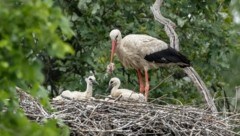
(111, 82)
(116, 37)
(90, 79)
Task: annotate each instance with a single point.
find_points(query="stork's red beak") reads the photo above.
(114, 43)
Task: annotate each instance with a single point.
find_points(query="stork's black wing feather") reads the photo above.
(167, 56)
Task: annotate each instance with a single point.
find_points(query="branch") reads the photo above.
(168, 24)
(174, 43)
(201, 87)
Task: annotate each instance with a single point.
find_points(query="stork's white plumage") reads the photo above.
(79, 95)
(143, 52)
(125, 94)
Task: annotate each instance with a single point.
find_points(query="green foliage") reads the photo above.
(231, 75)
(28, 28)
(17, 124)
(235, 6)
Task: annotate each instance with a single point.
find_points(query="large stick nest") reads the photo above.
(99, 117)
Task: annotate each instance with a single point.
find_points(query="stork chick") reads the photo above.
(76, 95)
(124, 94)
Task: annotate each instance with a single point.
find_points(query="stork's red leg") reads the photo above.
(141, 85)
(146, 84)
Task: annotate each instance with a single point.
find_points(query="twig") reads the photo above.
(165, 79)
(119, 97)
(44, 113)
(237, 88)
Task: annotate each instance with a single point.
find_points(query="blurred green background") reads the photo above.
(50, 45)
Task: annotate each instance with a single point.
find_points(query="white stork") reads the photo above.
(142, 52)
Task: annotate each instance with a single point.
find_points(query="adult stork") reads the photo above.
(142, 52)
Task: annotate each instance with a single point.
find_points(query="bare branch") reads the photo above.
(174, 43)
(201, 87)
(168, 24)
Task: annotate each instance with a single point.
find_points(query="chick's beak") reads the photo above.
(109, 88)
(95, 82)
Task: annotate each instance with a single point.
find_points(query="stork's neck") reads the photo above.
(116, 86)
(119, 43)
(120, 52)
(89, 90)
(119, 39)
(119, 47)
(115, 90)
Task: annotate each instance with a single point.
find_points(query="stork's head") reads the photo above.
(114, 82)
(115, 36)
(91, 80)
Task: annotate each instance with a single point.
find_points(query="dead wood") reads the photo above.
(169, 27)
(99, 117)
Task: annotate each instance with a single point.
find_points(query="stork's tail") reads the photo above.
(201, 87)
(168, 56)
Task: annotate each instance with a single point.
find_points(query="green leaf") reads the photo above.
(96, 7)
